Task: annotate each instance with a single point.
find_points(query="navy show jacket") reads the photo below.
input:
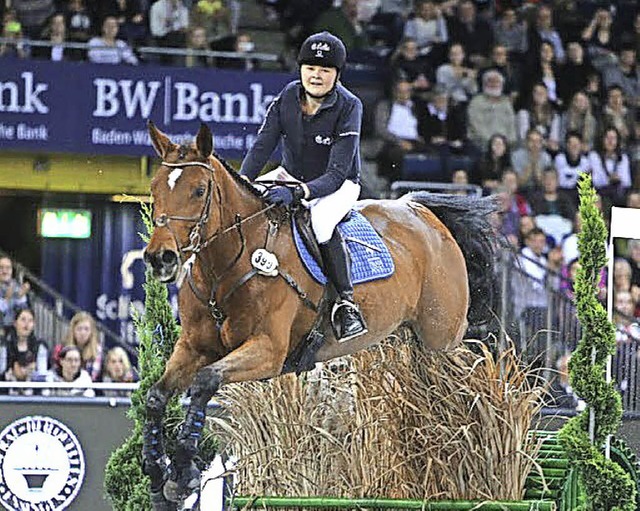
(322, 150)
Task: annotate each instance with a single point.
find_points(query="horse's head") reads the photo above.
(183, 190)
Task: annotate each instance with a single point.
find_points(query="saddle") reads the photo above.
(370, 258)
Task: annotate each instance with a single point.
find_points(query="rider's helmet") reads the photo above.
(323, 49)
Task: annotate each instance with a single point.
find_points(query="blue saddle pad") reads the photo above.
(370, 258)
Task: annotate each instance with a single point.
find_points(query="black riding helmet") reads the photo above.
(323, 49)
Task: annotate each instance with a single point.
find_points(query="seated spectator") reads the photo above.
(196, 41)
(243, 46)
(83, 334)
(626, 75)
(80, 25)
(500, 62)
(622, 274)
(15, 45)
(428, 27)
(407, 64)
(550, 200)
(109, 50)
(69, 371)
(599, 38)
(460, 177)
(595, 93)
(540, 115)
(508, 218)
(56, 33)
(458, 80)
(33, 15)
(610, 167)
(490, 113)
(397, 126)
(631, 37)
(214, 16)
(343, 23)
(578, 118)
(131, 16)
(20, 339)
(24, 365)
(511, 34)
(472, 32)
(168, 22)
(570, 163)
(530, 161)
(117, 369)
(492, 165)
(13, 294)
(561, 391)
(574, 74)
(543, 31)
(520, 204)
(392, 15)
(618, 115)
(544, 70)
(627, 328)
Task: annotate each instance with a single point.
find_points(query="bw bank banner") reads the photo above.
(103, 109)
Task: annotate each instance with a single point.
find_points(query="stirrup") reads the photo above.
(339, 335)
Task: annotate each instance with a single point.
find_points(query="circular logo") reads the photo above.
(41, 465)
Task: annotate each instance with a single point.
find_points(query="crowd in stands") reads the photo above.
(78, 359)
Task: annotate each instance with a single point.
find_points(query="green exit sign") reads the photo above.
(64, 223)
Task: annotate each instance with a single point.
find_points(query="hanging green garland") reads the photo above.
(607, 486)
(157, 330)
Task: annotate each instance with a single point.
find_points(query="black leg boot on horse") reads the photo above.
(346, 319)
(156, 463)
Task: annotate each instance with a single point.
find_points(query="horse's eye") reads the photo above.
(199, 192)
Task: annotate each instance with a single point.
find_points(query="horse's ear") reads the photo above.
(204, 141)
(160, 141)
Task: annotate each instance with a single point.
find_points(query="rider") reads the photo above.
(318, 121)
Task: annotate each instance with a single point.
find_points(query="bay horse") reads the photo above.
(239, 326)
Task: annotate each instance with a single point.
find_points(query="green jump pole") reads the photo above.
(345, 503)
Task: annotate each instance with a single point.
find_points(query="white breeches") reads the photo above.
(326, 212)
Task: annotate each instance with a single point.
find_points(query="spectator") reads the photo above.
(80, 26)
(56, 33)
(243, 46)
(610, 167)
(627, 328)
(618, 115)
(392, 15)
(19, 339)
(409, 65)
(70, 371)
(460, 178)
(570, 163)
(599, 38)
(397, 125)
(13, 294)
(511, 74)
(168, 22)
(33, 15)
(472, 33)
(458, 80)
(540, 115)
(544, 71)
(214, 16)
(83, 334)
(492, 165)
(117, 369)
(626, 75)
(196, 41)
(12, 32)
(490, 112)
(131, 16)
(343, 23)
(594, 92)
(631, 37)
(574, 74)
(511, 34)
(428, 27)
(579, 119)
(21, 371)
(109, 50)
(633, 246)
(544, 31)
(552, 201)
(520, 204)
(530, 161)
(561, 391)
(509, 218)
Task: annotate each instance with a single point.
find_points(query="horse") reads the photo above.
(241, 325)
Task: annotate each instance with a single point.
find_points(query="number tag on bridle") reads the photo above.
(265, 262)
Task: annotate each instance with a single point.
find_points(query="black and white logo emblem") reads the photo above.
(41, 465)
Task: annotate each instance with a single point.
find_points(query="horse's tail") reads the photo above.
(468, 220)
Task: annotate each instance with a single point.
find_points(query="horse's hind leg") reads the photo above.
(178, 373)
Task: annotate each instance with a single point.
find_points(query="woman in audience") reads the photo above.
(610, 167)
(107, 49)
(617, 114)
(544, 71)
(83, 333)
(570, 163)
(540, 115)
(458, 80)
(599, 38)
(117, 369)
(56, 33)
(21, 339)
(496, 160)
(579, 118)
(13, 294)
(69, 370)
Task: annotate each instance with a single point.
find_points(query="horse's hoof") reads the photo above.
(171, 492)
(184, 485)
(160, 503)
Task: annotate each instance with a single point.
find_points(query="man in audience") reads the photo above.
(168, 22)
(543, 30)
(530, 161)
(109, 50)
(626, 75)
(473, 33)
(13, 295)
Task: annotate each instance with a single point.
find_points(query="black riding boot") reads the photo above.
(346, 318)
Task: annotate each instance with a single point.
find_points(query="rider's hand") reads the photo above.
(284, 195)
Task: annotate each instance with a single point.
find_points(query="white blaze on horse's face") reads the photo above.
(174, 175)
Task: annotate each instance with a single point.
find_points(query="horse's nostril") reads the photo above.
(169, 257)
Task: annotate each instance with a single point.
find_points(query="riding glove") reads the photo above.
(285, 195)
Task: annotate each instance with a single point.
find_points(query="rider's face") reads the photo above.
(317, 80)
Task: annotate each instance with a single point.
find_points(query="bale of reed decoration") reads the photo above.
(394, 421)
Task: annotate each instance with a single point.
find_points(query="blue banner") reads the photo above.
(102, 109)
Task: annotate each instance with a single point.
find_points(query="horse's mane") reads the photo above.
(236, 176)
